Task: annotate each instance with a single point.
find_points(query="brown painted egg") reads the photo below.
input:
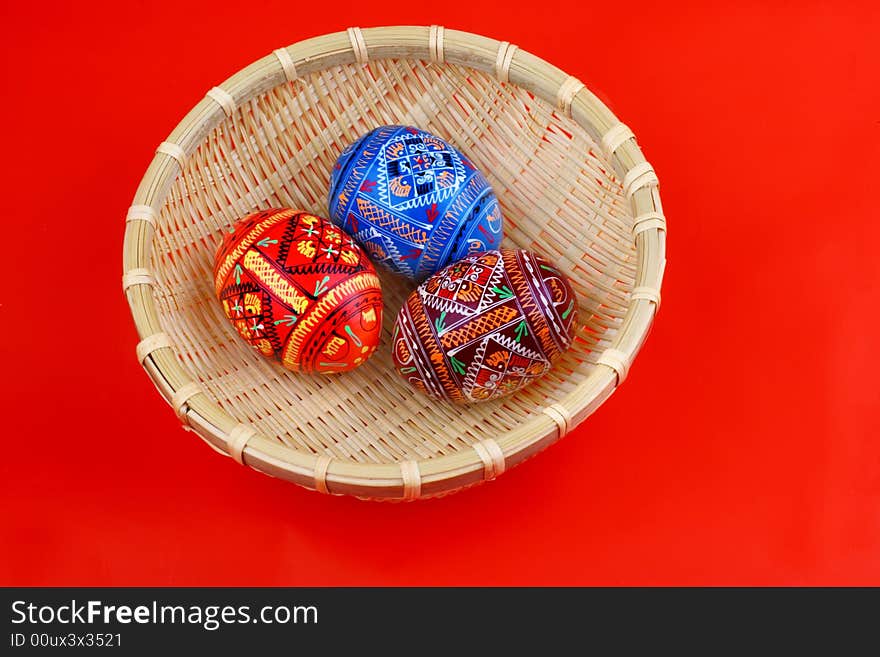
(299, 289)
(484, 326)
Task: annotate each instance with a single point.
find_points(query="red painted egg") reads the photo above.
(484, 326)
(299, 289)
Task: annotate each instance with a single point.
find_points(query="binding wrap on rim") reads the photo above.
(172, 150)
(492, 457)
(180, 398)
(141, 213)
(506, 51)
(224, 99)
(287, 64)
(358, 45)
(435, 44)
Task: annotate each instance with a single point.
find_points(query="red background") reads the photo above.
(743, 449)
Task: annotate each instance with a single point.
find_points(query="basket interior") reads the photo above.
(559, 196)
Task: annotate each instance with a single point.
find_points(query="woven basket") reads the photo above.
(573, 186)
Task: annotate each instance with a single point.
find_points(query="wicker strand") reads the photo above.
(506, 50)
(492, 457)
(616, 360)
(238, 440)
(639, 176)
(651, 294)
(172, 150)
(560, 415)
(287, 64)
(180, 398)
(647, 221)
(149, 344)
(224, 99)
(412, 480)
(567, 91)
(141, 213)
(615, 137)
(358, 45)
(138, 276)
(435, 44)
(322, 464)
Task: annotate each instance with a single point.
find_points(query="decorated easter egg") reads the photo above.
(299, 289)
(413, 201)
(484, 326)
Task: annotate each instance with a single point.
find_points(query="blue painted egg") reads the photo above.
(412, 201)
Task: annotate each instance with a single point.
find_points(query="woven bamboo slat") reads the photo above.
(573, 186)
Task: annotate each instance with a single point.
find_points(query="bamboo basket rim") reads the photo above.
(408, 479)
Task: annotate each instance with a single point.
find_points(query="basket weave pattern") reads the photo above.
(573, 187)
